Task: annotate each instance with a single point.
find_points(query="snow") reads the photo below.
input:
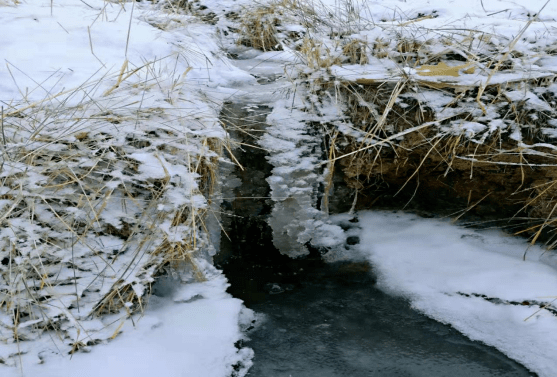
(53, 37)
(475, 280)
(444, 270)
(189, 331)
(294, 184)
(64, 51)
(126, 71)
(469, 128)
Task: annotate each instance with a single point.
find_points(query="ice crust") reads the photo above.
(297, 177)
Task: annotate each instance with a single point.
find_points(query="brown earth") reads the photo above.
(447, 175)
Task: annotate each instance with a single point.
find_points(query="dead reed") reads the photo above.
(456, 111)
(99, 195)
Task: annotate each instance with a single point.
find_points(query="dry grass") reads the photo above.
(398, 138)
(103, 188)
(501, 170)
(92, 209)
(258, 29)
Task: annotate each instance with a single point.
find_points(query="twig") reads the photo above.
(386, 141)
(74, 276)
(501, 11)
(129, 31)
(3, 134)
(540, 309)
(86, 4)
(91, 45)
(62, 27)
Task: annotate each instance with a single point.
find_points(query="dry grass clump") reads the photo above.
(98, 196)
(507, 163)
(258, 29)
(180, 9)
(317, 55)
(356, 52)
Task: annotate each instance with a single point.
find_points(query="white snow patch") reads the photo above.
(176, 337)
(445, 269)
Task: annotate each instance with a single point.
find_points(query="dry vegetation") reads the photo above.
(101, 192)
(425, 129)
(258, 29)
(93, 210)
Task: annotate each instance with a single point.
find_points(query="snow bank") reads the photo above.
(190, 331)
(476, 281)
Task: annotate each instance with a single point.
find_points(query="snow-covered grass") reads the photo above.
(109, 151)
(189, 331)
(412, 87)
(110, 141)
(477, 281)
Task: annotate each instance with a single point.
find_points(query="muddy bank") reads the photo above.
(441, 169)
(422, 178)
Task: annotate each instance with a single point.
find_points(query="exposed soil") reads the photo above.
(493, 190)
(495, 180)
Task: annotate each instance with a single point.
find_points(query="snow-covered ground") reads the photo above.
(137, 56)
(109, 72)
(476, 281)
(190, 331)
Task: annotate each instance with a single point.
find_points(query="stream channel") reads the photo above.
(321, 319)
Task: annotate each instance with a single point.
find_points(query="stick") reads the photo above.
(3, 134)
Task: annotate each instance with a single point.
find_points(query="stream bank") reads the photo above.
(325, 319)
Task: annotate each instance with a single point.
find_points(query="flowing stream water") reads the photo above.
(322, 319)
(331, 320)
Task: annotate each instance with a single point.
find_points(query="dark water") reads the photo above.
(326, 320)
(332, 321)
